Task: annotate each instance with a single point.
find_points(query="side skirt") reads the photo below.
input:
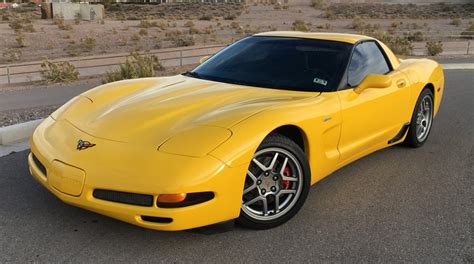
(400, 134)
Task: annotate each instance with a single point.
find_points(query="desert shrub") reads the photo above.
(135, 67)
(77, 18)
(135, 37)
(20, 40)
(318, 4)
(357, 24)
(12, 55)
(235, 25)
(5, 17)
(58, 72)
(399, 45)
(468, 32)
(143, 32)
(61, 24)
(194, 30)
(417, 36)
(455, 22)
(189, 24)
(147, 24)
(88, 43)
(300, 25)
(206, 17)
(16, 24)
(183, 41)
(230, 17)
(72, 50)
(434, 48)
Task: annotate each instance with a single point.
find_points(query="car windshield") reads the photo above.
(279, 62)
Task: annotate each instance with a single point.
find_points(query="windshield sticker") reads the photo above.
(320, 81)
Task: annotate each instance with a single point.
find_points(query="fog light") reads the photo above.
(171, 198)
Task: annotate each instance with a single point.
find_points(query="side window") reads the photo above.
(366, 59)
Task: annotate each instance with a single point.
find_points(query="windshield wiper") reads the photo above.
(192, 74)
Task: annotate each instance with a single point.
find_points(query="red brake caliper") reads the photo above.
(287, 172)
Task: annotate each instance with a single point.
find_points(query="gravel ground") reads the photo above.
(11, 117)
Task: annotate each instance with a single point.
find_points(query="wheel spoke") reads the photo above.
(259, 164)
(272, 164)
(265, 205)
(286, 192)
(251, 187)
(254, 200)
(249, 173)
(277, 203)
(283, 166)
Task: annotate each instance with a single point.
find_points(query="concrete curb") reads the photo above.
(18, 132)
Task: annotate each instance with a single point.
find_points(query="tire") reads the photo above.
(278, 176)
(421, 120)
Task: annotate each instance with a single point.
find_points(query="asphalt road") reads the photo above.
(396, 205)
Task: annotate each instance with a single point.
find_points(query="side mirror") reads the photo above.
(203, 59)
(376, 81)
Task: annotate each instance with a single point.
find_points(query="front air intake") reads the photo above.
(124, 197)
(39, 165)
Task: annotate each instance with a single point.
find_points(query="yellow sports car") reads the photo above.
(242, 136)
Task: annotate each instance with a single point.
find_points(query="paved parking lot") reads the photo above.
(396, 205)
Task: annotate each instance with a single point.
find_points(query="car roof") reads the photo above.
(341, 37)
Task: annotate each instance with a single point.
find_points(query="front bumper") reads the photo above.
(73, 175)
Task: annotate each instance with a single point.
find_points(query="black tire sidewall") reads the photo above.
(279, 141)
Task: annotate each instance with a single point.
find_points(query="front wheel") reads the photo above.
(276, 185)
(421, 121)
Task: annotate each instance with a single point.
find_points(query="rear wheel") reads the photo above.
(276, 185)
(421, 121)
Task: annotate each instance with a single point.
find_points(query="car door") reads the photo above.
(371, 117)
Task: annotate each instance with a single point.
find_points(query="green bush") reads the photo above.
(135, 67)
(58, 72)
(434, 48)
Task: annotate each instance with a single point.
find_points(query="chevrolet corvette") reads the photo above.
(242, 136)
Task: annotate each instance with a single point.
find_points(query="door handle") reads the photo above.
(401, 83)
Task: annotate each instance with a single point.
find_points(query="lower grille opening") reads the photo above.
(154, 219)
(39, 165)
(124, 197)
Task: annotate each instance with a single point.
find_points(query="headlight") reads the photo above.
(196, 142)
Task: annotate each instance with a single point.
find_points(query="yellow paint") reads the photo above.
(178, 135)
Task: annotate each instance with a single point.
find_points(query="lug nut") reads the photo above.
(259, 182)
(266, 173)
(273, 188)
(263, 191)
(275, 178)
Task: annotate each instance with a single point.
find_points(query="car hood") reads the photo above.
(153, 109)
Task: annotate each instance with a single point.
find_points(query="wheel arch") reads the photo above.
(295, 133)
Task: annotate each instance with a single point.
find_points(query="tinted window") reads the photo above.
(278, 62)
(366, 59)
